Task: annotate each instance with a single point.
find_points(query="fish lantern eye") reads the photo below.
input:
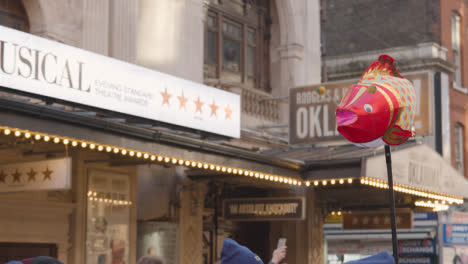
(368, 108)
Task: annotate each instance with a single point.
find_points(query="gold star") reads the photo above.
(398, 220)
(365, 220)
(376, 220)
(199, 105)
(2, 176)
(47, 174)
(214, 108)
(16, 176)
(387, 220)
(228, 111)
(183, 100)
(31, 175)
(166, 96)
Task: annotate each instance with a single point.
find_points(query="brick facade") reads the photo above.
(458, 99)
(364, 25)
(356, 26)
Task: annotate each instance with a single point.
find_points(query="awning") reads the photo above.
(104, 132)
(418, 171)
(419, 167)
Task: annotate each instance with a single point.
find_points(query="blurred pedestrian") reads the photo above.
(150, 260)
(233, 253)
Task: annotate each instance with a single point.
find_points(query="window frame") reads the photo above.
(253, 45)
(459, 132)
(245, 25)
(456, 48)
(213, 30)
(240, 40)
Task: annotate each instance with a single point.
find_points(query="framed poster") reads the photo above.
(108, 218)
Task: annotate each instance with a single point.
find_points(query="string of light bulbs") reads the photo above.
(381, 184)
(436, 206)
(153, 157)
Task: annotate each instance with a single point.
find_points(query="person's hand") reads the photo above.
(278, 255)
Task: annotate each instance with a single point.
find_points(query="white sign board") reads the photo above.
(40, 66)
(420, 167)
(54, 174)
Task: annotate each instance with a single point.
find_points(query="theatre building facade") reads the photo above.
(121, 133)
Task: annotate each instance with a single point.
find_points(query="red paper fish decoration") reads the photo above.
(380, 109)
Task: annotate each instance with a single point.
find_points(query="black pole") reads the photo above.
(391, 196)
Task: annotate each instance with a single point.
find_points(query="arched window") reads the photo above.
(237, 42)
(13, 15)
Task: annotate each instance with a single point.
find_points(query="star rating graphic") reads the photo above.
(183, 100)
(24, 175)
(47, 174)
(228, 111)
(16, 176)
(166, 96)
(188, 102)
(214, 108)
(387, 220)
(199, 105)
(374, 221)
(31, 175)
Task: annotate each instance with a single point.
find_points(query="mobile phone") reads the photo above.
(281, 242)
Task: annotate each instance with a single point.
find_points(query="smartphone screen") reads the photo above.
(281, 242)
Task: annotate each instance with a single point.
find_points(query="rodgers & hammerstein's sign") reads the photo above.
(312, 115)
(53, 174)
(43, 67)
(264, 209)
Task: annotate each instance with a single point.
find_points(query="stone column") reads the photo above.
(170, 37)
(315, 237)
(298, 49)
(191, 223)
(96, 26)
(123, 17)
